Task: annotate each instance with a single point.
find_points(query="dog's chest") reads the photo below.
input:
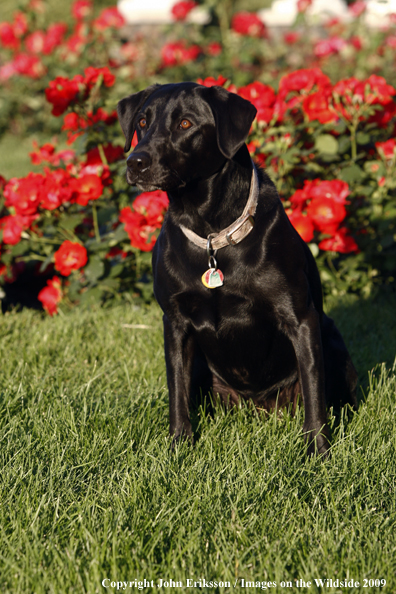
(237, 335)
(222, 319)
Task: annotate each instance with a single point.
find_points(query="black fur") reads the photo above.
(262, 335)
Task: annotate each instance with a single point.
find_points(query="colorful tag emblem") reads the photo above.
(212, 278)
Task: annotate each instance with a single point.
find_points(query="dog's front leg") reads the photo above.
(309, 352)
(179, 354)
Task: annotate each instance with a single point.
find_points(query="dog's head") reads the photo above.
(185, 131)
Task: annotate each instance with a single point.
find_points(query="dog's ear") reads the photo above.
(233, 116)
(128, 108)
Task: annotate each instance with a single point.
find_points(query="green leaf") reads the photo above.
(326, 143)
(351, 174)
(340, 127)
(91, 296)
(71, 221)
(363, 138)
(387, 241)
(94, 269)
(116, 270)
(46, 262)
(344, 145)
(110, 284)
(93, 245)
(106, 214)
(20, 248)
(375, 168)
(119, 235)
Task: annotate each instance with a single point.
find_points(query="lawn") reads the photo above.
(91, 492)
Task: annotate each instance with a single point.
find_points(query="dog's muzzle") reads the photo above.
(138, 163)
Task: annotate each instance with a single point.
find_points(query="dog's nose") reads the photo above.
(138, 162)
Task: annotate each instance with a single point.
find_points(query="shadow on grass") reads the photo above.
(368, 327)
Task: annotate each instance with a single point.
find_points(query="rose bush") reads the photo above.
(328, 143)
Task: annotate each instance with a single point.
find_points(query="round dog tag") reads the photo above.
(212, 278)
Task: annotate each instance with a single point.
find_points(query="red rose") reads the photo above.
(303, 80)
(291, 37)
(62, 92)
(152, 205)
(378, 89)
(109, 17)
(302, 5)
(12, 229)
(54, 37)
(46, 152)
(20, 24)
(214, 48)
(8, 37)
(341, 242)
(13, 225)
(75, 44)
(326, 214)
(212, 82)
(35, 42)
(56, 189)
(387, 149)
(300, 197)
(7, 71)
(263, 98)
(94, 164)
(92, 74)
(175, 54)
(391, 41)
(70, 256)
(330, 46)
(316, 106)
(349, 87)
(248, 23)
(180, 10)
(85, 188)
(357, 8)
(43, 153)
(51, 295)
(24, 194)
(335, 189)
(81, 9)
(356, 42)
(28, 66)
(103, 116)
(302, 224)
(112, 153)
(350, 93)
(75, 124)
(138, 229)
(145, 219)
(116, 252)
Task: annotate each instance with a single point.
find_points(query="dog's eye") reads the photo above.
(142, 123)
(185, 124)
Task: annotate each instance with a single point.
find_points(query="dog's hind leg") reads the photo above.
(340, 373)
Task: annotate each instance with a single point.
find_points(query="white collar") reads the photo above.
(239, 229)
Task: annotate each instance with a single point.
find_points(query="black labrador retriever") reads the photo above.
(239, 288)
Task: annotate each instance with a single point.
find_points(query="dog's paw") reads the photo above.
(180, 437)
(317, 445)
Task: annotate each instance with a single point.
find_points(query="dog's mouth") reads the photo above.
(142, 184)
(146, 187)
(139, 181)
(166, 184)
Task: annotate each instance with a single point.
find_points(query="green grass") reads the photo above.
(89, 489)
(14, 154)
